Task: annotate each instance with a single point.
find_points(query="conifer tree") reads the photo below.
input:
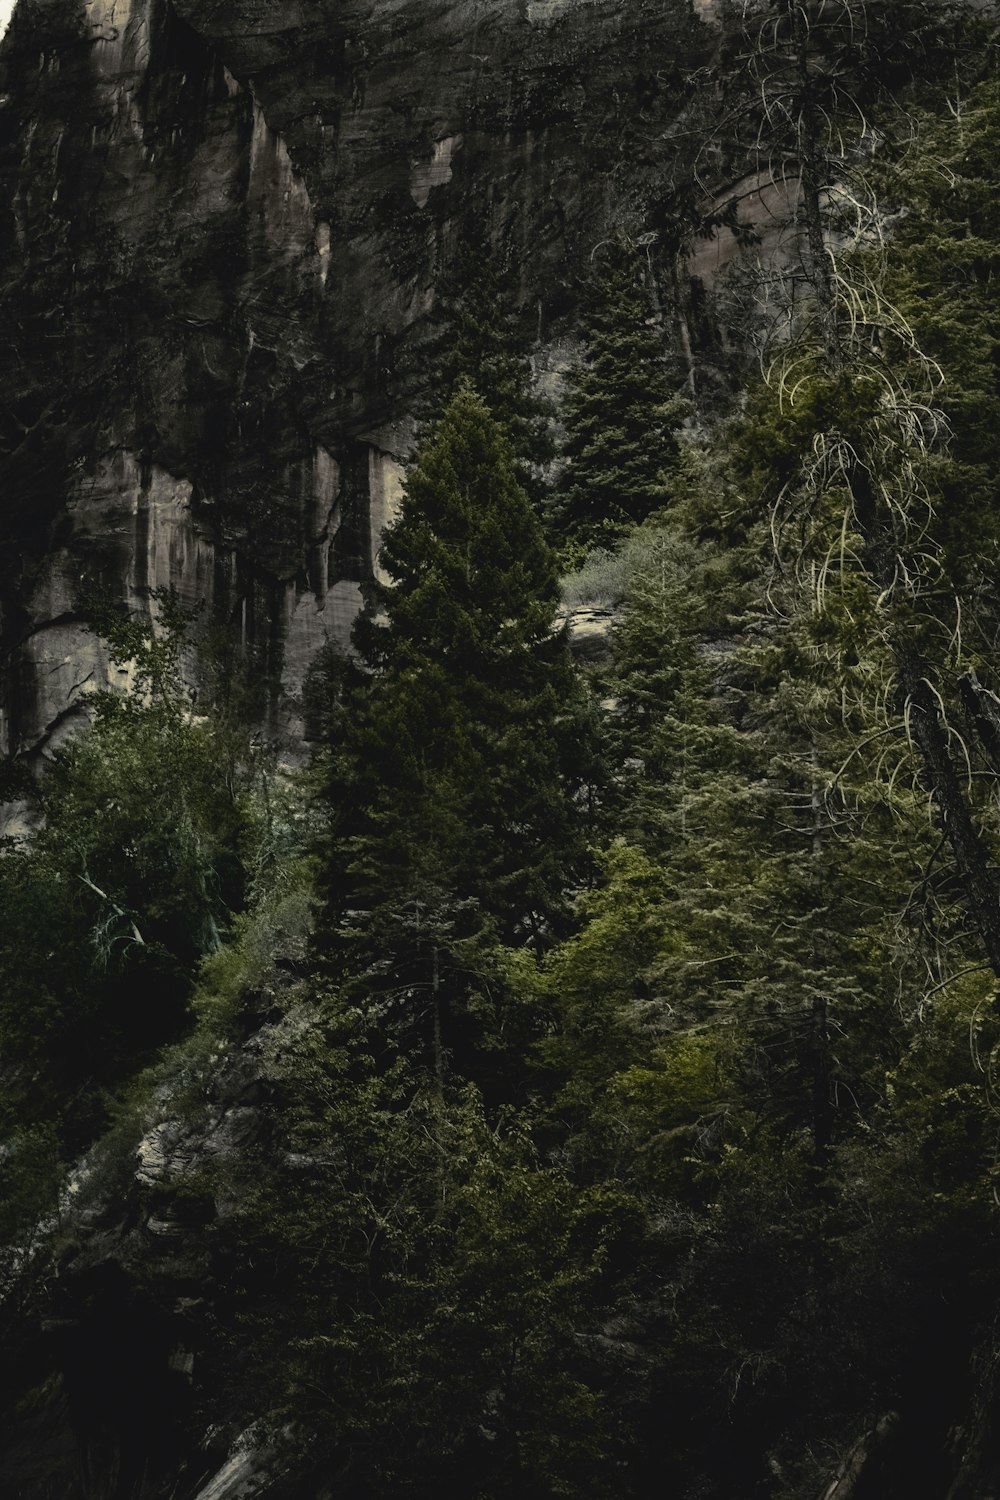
(622, 412)
(846, 456)
(482, 342)
(459, 746)
(942, 275)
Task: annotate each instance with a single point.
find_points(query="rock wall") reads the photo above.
(223, 224)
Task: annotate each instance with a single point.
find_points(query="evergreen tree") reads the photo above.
(427, 1333)
(845, 458)
(805, 90)
(943, 276)
(481, 342)
(461, 743)
(622, 412)
(447, 1268)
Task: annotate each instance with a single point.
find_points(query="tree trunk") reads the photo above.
(921, 706)
(983, 710)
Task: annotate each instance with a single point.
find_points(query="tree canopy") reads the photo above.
(622, 412)
(461, 750)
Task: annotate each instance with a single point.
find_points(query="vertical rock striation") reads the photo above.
(223, 222)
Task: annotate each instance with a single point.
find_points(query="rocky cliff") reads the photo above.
(223, 227)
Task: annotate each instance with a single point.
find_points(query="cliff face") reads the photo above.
(223, 225)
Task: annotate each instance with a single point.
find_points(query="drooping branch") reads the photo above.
(921, 706)
(874, 455)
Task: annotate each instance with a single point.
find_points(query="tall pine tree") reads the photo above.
(480, 340)
(460, 745)
(622, 413)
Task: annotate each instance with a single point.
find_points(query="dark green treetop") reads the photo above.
(462, 743)
(484, 343)
(622, 413)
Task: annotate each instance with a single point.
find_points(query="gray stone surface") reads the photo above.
(223, 227)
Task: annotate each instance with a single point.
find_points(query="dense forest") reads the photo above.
(625, 1003)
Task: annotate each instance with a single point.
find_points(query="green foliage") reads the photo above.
(431, 1277)
(153, 831)
(598, 982)
(457, 755)
(622, 413)
(30, 1178)
(482, 344)
(277, 927)
(748, 973)
(943, 277)
(625, 1133)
